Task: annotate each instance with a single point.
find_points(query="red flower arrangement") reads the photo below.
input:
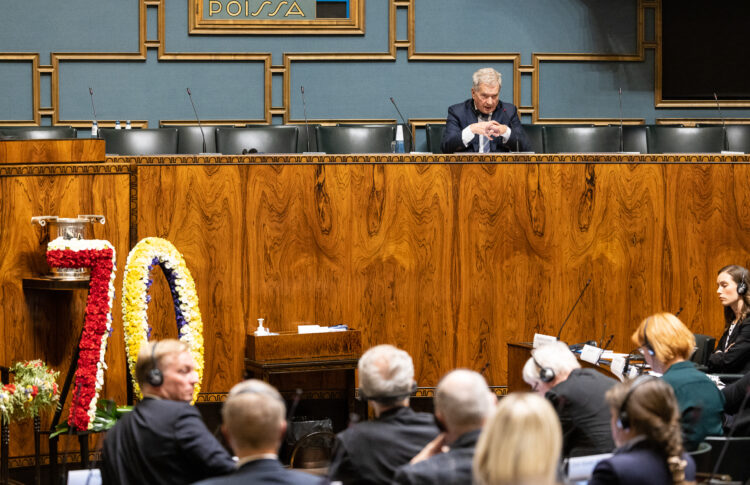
(99, 256)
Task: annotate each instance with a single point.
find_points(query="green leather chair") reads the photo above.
(190, 140)
(535, 135)
(434, 132)
(305, 133)
(262, 139)
(355, 139)
(407, 134)
(581, 139)
(158, 141)
(678, 139)
(38, 132)
(738, 138)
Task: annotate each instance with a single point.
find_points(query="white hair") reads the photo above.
(385, 370)
(463, 399)
(554, 355)
(486, 75)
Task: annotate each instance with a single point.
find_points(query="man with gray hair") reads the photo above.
(577, 395)
(462, 404)
(483, 123)
(370, 452)
(254, 416)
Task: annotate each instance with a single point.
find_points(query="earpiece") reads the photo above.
(546, 374)
(623, 420)
(154, 376)
(646, 343)
(742, 286)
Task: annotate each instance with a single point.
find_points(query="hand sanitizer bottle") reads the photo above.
(117, 125)
(399, 139)
(260, 331)
(94, 129)
(128, 126)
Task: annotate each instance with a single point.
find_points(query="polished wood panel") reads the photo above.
(299, 347)
(51, 151)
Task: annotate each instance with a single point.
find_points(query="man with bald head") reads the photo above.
(370, 452)
(254, 416)
(463, 401)
(483, 123)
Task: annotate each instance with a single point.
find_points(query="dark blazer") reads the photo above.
(734, 394)
(463, 114)
(638, 464)
(737, 358)
(451, 468)
(370, 452)
(584, 414)
(162, 441)
(262, 472)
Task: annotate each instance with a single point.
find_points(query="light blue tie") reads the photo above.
(484, 142)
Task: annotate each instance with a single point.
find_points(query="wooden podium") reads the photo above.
(272, 357)
(51, 151)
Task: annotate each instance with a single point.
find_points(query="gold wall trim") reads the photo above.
(35, 89)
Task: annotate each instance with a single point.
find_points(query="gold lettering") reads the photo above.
(247, 8)
(277, 9)
(239, 8)
(211, 5)
(294, 10)
(267, 2)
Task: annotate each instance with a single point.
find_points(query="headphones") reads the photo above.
(154, 375)
(623, 420)
(387, 397)
(742, 286)
(546, 374)
(646, 343)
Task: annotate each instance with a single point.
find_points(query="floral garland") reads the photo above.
(150, 252)
(99, 256)
(34, 388)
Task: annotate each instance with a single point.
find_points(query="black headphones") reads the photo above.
(387, 397)
(646, 343)
(623, 420)
(546, 374)
(742, 286)
(154, 375)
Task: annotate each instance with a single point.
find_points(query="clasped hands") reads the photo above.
(491, 129)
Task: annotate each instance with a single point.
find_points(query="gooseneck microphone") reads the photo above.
(403, 120)
(93, 109)
(574, 307)
(622, 135)
(718, 107)
(304, 112)
(203, 135)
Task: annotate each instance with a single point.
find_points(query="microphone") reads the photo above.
(93, 109)
(246, 151)
(293, 411)
(408, 127)
(718, 107)
(622, 137)
(678, 312)
(604, 331)
(304, 111)
(609, 341)
(203, 135)
(574, 307)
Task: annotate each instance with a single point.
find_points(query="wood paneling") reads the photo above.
(50, 151)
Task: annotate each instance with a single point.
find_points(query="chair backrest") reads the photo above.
(634, 138)
(190, 140)
(158, 141)
(407, 134)
(680, 139)
(581, 139)
(264, 139)
(305, 132)
(355, 139)
(735, 459)
(434, 132)
(702, 457)
(313, 451)
(704, 346)
(535, 135)
(38, 132)
(738, 138)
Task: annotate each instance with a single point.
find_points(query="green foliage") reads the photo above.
(107, 414)
(33, 390)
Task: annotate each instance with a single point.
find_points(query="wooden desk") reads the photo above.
(52, 151)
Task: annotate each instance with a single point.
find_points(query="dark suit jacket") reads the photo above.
(452, 468)
(262, 472)
(462, 115)
(737, 358)
(584, 414)
(162, 441)
(638, 464)
(734, 394)
(370, 452)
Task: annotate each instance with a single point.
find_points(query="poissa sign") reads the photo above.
(260, 9)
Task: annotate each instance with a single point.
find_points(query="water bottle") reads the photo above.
(117, 125)
(94, 129)
(127, 125)
(399, 139)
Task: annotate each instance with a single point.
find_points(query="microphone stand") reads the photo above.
(574, 307)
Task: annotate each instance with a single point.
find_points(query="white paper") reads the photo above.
(581, 467)
(591, 354)
(618, 366)
(541, 339)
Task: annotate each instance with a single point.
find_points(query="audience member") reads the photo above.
(462, 404)
(666, 344)
(163, 440)
(735, 395)
(576, 394)
(370, 452)
(732, 353)
(520, 444)
(646, 430)
(483, 123)
(254, 416)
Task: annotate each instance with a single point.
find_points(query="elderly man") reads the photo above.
(462, 404)
(484, 123)
(163, 440)
(577, 395)
(370, 452)
(254, 425)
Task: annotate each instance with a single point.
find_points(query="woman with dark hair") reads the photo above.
(646, 429)
(732, 353)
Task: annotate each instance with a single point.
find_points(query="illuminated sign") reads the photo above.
(277, 16)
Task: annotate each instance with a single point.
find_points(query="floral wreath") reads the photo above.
(33, 389)
(148, 253)
(99, 256)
